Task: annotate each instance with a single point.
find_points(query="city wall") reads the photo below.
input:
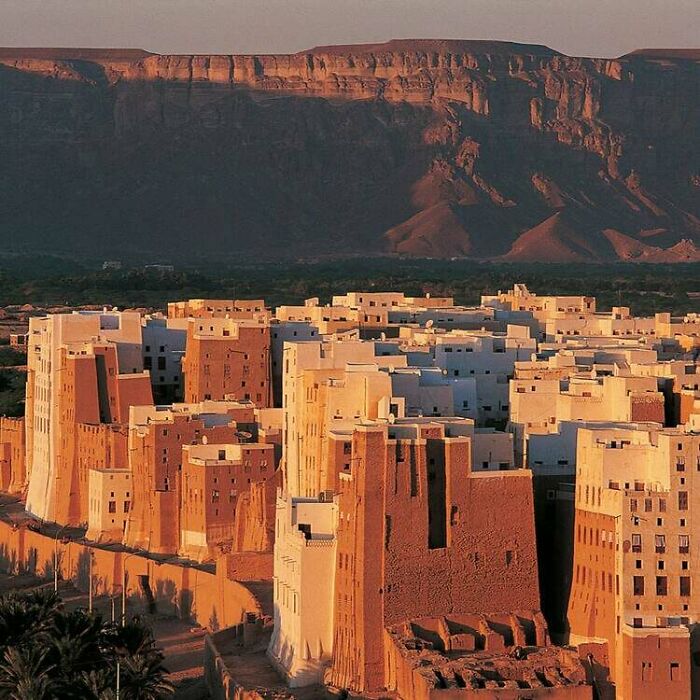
(208, 598)
(219, 678)
(220, 683)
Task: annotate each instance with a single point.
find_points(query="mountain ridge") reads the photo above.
(436, 148)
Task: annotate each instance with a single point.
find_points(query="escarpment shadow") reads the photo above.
(425, 151)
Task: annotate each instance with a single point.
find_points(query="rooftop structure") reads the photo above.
(469, 656)
(239, 309)
(521, 299)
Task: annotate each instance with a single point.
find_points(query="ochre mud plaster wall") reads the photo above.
(210, 599)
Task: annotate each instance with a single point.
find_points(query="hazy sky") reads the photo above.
(578, 27)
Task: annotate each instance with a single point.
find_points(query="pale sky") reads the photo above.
(576, 27)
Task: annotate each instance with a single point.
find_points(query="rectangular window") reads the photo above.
(401, 452)
(112, 506)
(660, 543)
(437, 505)
(636, 542)
(685, 585)
(683, 544)
(638, 585)
(661, 585)
(682, 500)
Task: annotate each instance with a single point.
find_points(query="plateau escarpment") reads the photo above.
(416, 147)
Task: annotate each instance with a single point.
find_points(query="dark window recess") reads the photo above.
(437, 508)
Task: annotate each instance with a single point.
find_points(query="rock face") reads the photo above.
(418, 147)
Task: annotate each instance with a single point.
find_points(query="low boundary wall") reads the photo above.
(210, 599)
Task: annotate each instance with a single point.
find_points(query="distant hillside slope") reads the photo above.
(437, 148)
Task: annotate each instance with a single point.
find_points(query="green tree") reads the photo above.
(142, 674)
(49, 652)
(26, 675)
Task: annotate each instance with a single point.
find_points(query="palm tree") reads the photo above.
(143, 677)
(74, 644)
(23, 616)
(142, 672)
(47, 652)
(25, 675)
(96, 685)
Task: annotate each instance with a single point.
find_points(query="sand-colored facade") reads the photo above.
(109, 501)
(156, 439)
(304, 570)
(539, 406)
(81, 368)
(214, 476)
(210, 598)
(239, 309)
(410, 485)
(226, 357)
(13, 455)
(412, 541)
(635, 555)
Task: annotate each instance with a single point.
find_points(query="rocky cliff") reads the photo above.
(417, 147)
